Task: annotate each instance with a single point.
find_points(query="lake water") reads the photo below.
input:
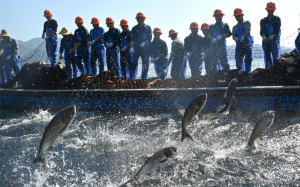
(104, 149)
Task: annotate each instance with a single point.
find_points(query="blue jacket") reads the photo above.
(222, 28)
(95, 33)
(160, 45)
(111, 36)
(275, 22)
(81, 36)
(63, 47)
(126, 35)
(190, 43)
(138, 31)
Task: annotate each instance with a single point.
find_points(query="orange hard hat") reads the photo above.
(140, 15)
(79, 19)
(172, 31)
(204, 26)
(47, 13)
(238, 12)
(194, 25)
(218, 12)
(123, 22)
(271, 6)
(157, 30)
(95, 21)
(109, 20)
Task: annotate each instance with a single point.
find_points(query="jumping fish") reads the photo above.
(192, 112)
(228, 96)
(54, 130)
(153, 163)
(263, 123)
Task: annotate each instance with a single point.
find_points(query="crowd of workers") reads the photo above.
(84, 52)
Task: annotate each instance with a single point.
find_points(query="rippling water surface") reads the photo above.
(104, 149)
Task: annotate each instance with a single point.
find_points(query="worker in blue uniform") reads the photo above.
(141, 35)
(159, 54)
(244, 42)
(205, 43)
(112, 49)
(124, 44)
(67, 43)
(9, 56)
(178, 69)
(218, 32)
(270, 33)
(82, 38)
(193, 51)
(297, 43)
(97, 46)
(49, 34)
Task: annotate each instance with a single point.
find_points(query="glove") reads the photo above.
(118, 49)
(219, 38)
(47, 37)
(93, 42)
(203, 56)
(264, 38)
(60, 57)
(8, 57)
(152, 60)
(124, 48)
(236, 39)
(131, 50)
(109, 45)
(242, 39)
(271, 37)
(156, 59)
(43, 36)
(142, 44)
(214, 41)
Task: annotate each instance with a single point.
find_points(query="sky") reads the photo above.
(24, 18)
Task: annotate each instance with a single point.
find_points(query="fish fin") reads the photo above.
(144, 159)
(197, 117)
(39, 159)
(51, 148)
(40, 129)
(61, 139)
(190, 124)
(212, 114)
(186, 135)
(164, 160)
(182, 111)
(257, 139)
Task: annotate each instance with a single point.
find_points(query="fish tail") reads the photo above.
(129, 181)
(186, 135)
(250, 147)
(39, 159)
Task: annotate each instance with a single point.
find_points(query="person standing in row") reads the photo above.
(270, 32)
(159, 54)
(67, 43)
(124, 43)
(141, 35)
(297, 42)
(218, 33)
(82, 37)
(178, 68)
(9, 49)
(49, 34)
(205, 43)
(244, 42)
(192, 50)
(97, 46)
(112, 50)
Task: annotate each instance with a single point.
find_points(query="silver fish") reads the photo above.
(54, 130)
(228, 96)
(153, 163)
(191, 112)
(263, 123)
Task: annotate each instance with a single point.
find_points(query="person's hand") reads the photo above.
(60, 57)
(264, 38)
(214, 41)
(131, 50)
(219, 38)
(124, 48)
(8, 57)
(47, 37)
(236, 39)
(242, 39)
(271, 37)
(71, 50)
(203, 56)
(93, 42)
(185, 57)
(109, 45)
(43, 36)
(143, 44)
(118, 48)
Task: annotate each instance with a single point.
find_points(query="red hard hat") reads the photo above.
(204, 26)
(140, 15)
(238, 12)
(194, 25)
(47, 13)
(157, 30)
(95, 21)
(271, 6)
(109, 20)
(123, 22)
(218, 12)
(172, 31)
(79, 19)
